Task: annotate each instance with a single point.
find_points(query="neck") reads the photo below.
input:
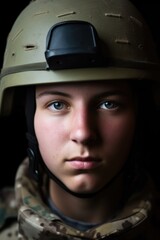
(97, 209)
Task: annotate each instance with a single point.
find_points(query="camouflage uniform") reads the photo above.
(25, 215)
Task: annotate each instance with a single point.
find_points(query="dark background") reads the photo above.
(12, 130)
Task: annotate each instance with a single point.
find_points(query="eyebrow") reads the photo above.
(53, 93)
(100, 95)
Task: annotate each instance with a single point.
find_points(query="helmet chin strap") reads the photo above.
(36, 161)
(77, 194)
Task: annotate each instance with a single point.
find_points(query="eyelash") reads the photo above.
(62, 103)
(111, 105)
(65, 106)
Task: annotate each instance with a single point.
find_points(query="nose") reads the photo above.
(83, 127)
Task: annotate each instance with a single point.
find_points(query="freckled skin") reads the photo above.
(85, 131)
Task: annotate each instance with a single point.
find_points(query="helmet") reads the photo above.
(56, 41)
(72, 40)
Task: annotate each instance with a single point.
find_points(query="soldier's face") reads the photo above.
(85, 131)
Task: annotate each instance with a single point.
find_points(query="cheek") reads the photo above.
(45, 128)
(118, 138)
(119, 131)
(49, 136)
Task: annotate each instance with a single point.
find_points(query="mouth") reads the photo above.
(86, 163)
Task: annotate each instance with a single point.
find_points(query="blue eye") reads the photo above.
(57, 105)
(108, 105)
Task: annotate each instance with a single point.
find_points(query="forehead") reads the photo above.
(91, 85)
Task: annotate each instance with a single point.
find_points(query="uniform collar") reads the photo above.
(36, 220)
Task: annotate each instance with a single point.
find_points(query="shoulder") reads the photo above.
(156, 213)
(8, 209)
(9, 232)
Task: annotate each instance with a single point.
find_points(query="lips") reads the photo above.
(84, 163)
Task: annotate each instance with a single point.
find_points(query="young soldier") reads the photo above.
(85, 73)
